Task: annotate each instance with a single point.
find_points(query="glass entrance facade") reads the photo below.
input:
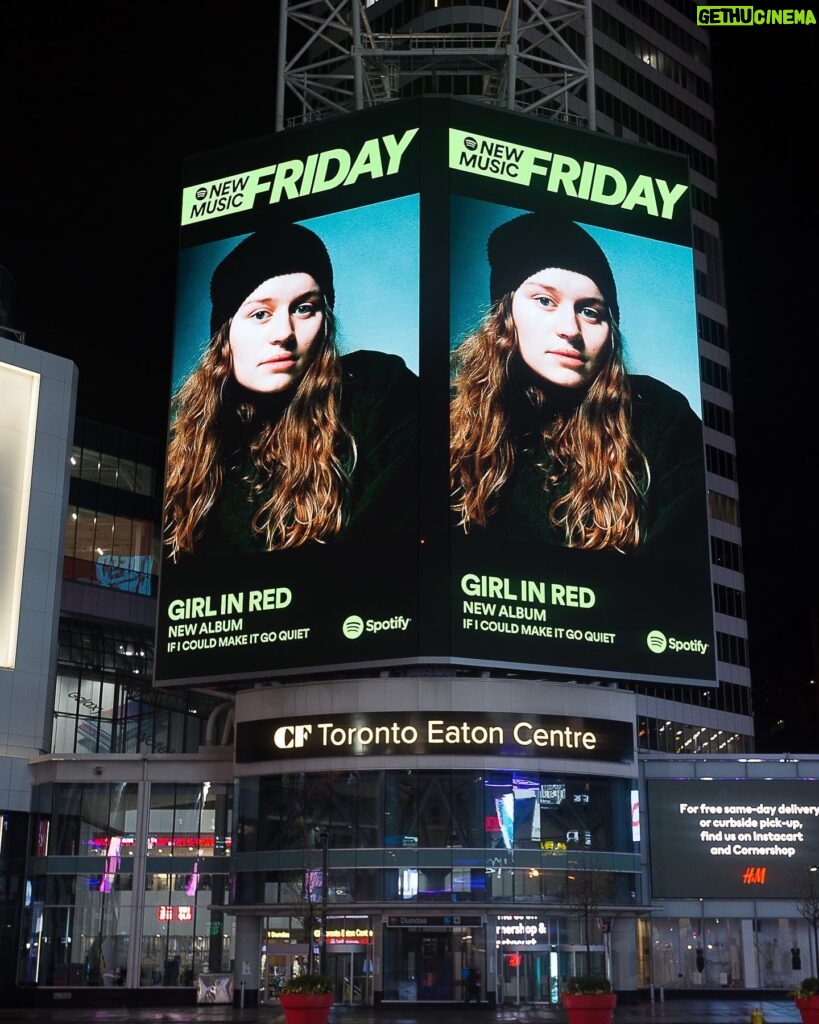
(426, 837)
(446, 870)
(127, 877)
(433, 887)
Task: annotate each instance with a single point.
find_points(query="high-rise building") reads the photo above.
(626, 69)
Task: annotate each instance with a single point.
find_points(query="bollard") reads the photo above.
(757, 1017)
(242, 996)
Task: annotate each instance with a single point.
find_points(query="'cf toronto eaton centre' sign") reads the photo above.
(477, 733)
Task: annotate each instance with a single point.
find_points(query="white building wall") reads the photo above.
(27, 689)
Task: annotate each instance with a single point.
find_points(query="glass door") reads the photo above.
(351, 971)
(528, 977)
(276, 968)
(574, 960)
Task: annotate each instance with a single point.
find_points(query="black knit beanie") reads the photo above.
(534, 241)
(277, 249)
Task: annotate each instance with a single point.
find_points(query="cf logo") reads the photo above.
(288, 736)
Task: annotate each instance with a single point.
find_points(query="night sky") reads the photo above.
(100, 106)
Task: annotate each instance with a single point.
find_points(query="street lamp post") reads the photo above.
(325, 837)
(807, 903)
(812, 905)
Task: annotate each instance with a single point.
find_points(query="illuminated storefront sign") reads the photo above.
(432, 920)
(168, 914)
(520, 930)
(478, 733)
(343, 936)
(157, 843)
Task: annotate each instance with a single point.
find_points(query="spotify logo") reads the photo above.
(353, 627)
(658, 642)
(470, 143)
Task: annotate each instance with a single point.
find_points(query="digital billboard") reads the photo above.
(732, 838)
(577, 478)
(291, 491)
(435, 399)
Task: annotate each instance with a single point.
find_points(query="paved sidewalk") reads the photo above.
(674, 1011)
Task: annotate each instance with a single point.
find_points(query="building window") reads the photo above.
(720, 462)
(726, 554)
(715, 374)
(729, 601)
(649, 131)
(717, 417)
(76, 925)
(721, 507)
(733, 649)
(104, 701)
(113, 551)
(712, 332)
(670, 737)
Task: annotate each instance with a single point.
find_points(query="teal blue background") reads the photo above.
(375, 255)
(655, 290)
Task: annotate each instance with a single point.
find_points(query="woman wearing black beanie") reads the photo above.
(552, 441)
(276, 439)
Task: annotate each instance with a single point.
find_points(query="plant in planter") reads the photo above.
(306, 999)
(588, 999)
(806, 998)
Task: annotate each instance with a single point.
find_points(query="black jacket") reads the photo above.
(669, 435)
(379, 406)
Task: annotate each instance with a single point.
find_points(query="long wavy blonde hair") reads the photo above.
(301, 461)
(590, 459)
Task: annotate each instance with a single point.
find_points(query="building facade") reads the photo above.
(37, 400)
(415, 826)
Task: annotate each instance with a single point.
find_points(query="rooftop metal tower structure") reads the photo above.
(532, 56)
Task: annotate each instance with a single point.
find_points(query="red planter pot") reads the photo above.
(306, 1008)
(591, 1009)
(809, 1009)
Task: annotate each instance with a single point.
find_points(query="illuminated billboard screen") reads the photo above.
(19, 395)
(732, 838)
(577, 474)
(435, 399)
(291, 491)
